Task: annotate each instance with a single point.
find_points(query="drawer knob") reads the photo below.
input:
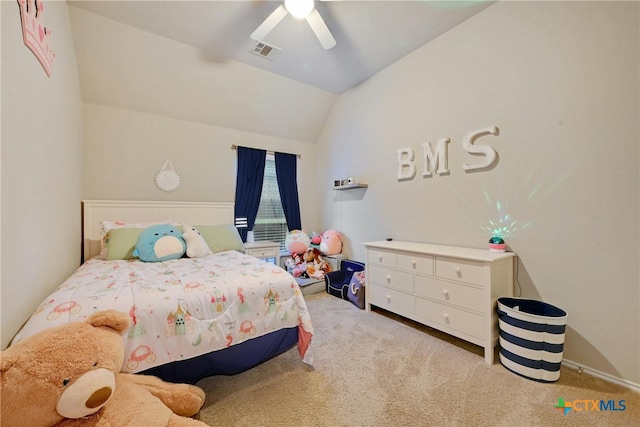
(445, 293)
(388, 278)
(445, 316)
(458, 271)
(414, 262)
(380, 258)
(389, 299)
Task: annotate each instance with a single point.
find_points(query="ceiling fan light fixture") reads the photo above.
(299, 8)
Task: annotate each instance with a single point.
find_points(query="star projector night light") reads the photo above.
(496, 244)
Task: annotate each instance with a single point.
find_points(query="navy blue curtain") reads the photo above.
(248, 188)
(286, 173)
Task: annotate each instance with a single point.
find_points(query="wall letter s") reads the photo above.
(490, 153)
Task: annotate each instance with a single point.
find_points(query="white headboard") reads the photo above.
(94, 211)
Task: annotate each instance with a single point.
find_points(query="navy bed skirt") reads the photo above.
(229, 361)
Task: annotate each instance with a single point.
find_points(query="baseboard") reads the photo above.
(602, 375)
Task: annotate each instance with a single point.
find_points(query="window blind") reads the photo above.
(270, 222)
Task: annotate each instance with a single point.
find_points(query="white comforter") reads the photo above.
(181, 308)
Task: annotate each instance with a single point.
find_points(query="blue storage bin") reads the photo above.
(531, 338)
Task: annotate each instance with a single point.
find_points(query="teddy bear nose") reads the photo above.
(99, 397)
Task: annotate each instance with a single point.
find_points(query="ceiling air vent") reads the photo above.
(266, 51)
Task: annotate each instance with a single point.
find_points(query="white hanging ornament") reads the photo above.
(168, 179)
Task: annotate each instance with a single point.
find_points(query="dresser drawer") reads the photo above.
(390, 278)
(457, 319)
(415, 263)
(390, 299)
(463, 271)
(449, 292)
(263, 252)
(382, 257)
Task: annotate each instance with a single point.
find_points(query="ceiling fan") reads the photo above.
(298, 9)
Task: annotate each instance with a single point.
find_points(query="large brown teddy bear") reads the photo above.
(70, 376)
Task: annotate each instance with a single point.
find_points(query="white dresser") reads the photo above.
(449, 288)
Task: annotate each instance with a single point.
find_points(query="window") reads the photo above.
(270, 221)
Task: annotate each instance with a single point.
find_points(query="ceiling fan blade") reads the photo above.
(320, 29)
(270, 23)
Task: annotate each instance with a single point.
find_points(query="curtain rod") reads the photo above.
(235, 147)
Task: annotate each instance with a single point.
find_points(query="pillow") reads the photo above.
(106, 226)
(196, 245)
(223, 237)
(160, 243)
(121, 242)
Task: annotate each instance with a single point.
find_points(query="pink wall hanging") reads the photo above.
(35, 35)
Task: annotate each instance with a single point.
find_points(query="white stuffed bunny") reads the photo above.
(196, 245)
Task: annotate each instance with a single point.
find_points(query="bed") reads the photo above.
(218, 314)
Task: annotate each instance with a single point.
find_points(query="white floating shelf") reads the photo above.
(350, 186)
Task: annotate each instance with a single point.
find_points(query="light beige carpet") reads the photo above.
(375, 369)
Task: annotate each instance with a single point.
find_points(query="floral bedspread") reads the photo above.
(180, 308)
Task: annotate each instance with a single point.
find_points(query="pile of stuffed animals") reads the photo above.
(306, 252)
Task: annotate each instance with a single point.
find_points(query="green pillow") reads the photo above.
(219, 238)
(120, 243)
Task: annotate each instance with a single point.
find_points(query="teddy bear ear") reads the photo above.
(6, 361)
(113, 319)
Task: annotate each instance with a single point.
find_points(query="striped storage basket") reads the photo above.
(531, 338)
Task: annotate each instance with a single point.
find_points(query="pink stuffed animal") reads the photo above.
(331, 243)
(297, 242)
(316, 238)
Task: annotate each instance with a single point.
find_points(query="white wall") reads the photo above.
(123, 151)
(41, 166)
(158, 99)
(128, 68)
(560, 80)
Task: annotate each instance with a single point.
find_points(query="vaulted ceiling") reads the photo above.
(370, 35)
